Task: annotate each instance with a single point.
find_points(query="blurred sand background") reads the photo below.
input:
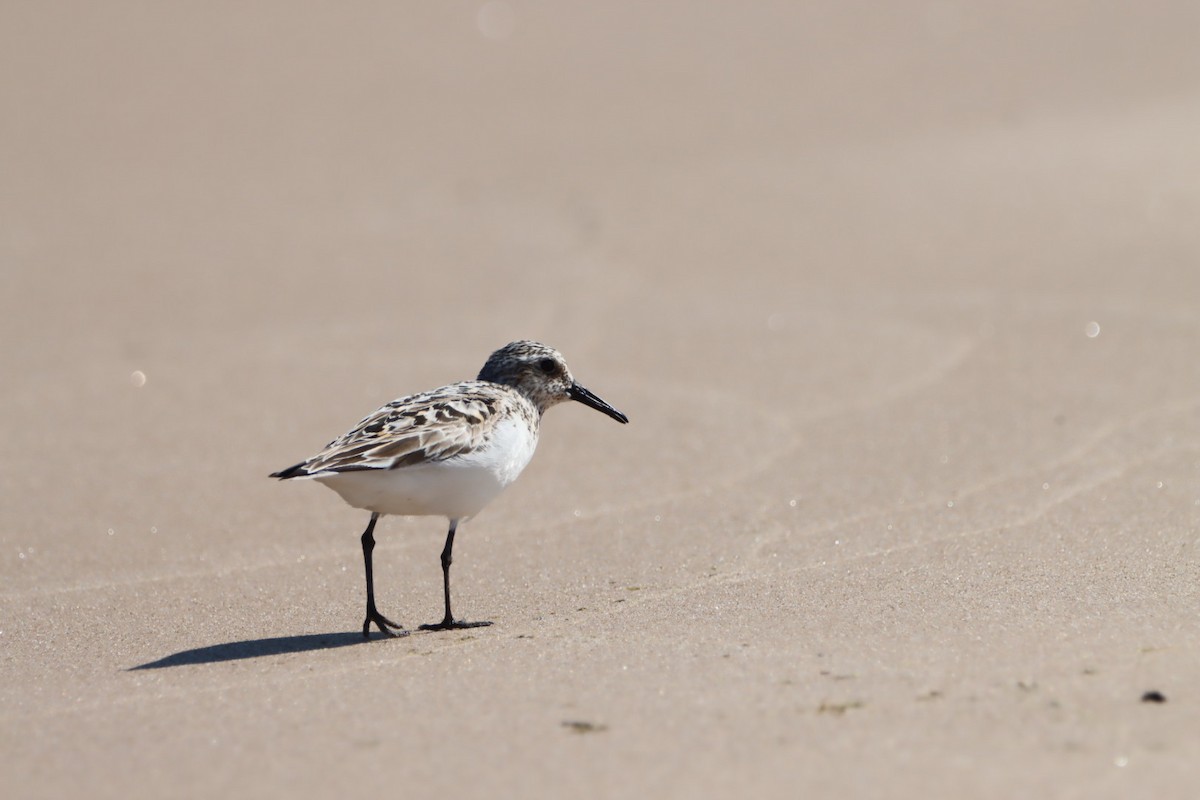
(902, 301)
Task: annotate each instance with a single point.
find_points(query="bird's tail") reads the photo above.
(294, 471)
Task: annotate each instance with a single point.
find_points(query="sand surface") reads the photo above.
(903, 301)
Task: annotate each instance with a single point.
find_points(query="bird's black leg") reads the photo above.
(385, 625)
(448, 622)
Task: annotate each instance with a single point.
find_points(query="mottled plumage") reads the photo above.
(432, 426)
(447, 452)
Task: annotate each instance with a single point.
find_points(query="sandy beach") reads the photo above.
(902, 301)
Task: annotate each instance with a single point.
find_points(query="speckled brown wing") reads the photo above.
(428, 427)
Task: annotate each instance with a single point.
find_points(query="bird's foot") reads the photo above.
(453, 624)
(385, 625)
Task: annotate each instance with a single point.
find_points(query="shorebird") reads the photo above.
(446, 452)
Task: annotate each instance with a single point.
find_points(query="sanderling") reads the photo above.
(446, 452)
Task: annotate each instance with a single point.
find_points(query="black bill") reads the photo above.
(582, 395)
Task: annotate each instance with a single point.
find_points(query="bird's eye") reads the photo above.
(548, 366)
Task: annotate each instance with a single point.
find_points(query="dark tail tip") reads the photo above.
(294, 471)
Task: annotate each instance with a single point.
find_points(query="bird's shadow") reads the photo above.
(255, 648)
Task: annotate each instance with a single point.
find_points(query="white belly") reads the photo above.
(457, 488)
